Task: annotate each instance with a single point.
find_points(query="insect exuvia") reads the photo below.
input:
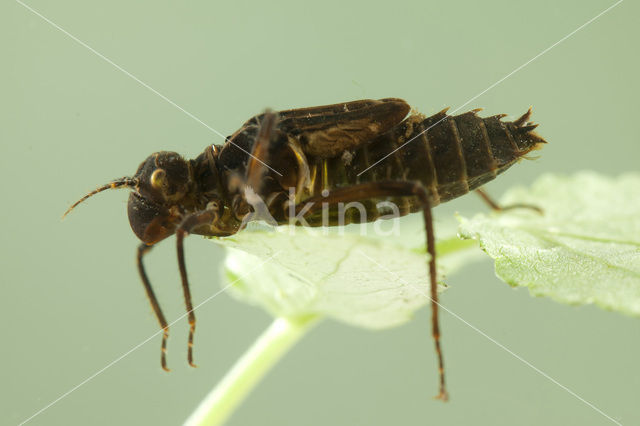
(298, 160)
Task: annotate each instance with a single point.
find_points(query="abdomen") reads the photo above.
(449, 155)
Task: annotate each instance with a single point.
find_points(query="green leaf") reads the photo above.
(367, 281)
(584, 249)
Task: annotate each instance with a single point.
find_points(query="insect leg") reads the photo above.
(254, 192)
(142, 250)
(257, 166)
(493, 205)
(188, 223)
(398, 188)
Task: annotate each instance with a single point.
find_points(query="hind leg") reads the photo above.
(493, 205)
(387, 189)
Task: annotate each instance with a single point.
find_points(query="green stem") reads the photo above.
(216, 408)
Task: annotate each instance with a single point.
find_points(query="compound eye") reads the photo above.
(159, 179)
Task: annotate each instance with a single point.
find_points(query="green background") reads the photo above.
(70, 298)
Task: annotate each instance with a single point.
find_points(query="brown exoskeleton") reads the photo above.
(332, 154)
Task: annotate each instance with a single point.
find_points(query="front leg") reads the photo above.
(388, 189)
(189, 223)
(142, 250)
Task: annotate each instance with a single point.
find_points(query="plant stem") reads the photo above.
(220, 403)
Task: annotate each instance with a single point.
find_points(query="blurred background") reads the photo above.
(71, 302)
